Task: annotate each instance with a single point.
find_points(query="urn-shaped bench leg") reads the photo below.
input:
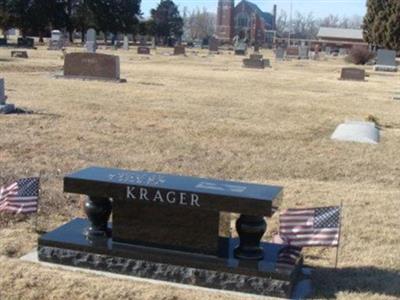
(250, 229)
(98, 211)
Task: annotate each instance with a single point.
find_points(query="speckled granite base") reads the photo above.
(167, 272)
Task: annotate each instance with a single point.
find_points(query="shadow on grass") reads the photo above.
(328, 282)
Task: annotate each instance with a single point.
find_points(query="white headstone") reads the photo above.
(55, 35)
(2, 93)
(126, 42)
(91, 45)
(355, 131)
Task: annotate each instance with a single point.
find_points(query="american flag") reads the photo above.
(311, 227)
(21, 196)
(287, 259)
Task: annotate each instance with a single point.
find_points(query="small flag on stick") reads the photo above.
(287, 259)
(21, 196)
(311, 227)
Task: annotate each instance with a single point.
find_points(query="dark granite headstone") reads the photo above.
(19, 54)
(293, 52)
(173, 228)
(26, 43)
(213, 44)
(179, 50)
(143, 50)
(3, 42)
(92, 66)
(352, 74)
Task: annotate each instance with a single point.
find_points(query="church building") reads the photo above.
(246, 20)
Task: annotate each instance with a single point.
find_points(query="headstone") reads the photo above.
(280, 53)
(386, 61)
(153, 43)
(26, 42)
(56, 40)
(173, 228)
(256, 61)
(304, 52)
(360, 132)
(91, 41)
(240, 48)
(352, 74)
(179, 50)
(4, 107)
(328, 50)
(292, 52)
(343, 52)
(256, 48)
(92, 66)
(126, 42)
(19, 54)
(3, 42)
(213, 44)
(143, 50)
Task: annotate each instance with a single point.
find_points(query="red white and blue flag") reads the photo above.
(21, 196)
(310, 227)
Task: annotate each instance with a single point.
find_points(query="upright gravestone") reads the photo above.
(292, 52)
(91, 41)
(213, 44)
(126, 42)
(386, 61)
(3, 42)
(304, 52)
(280, 53)
(4, 107)
(240, 48)
(156, 231)
(56, 40)
(343, 51)
(26, 42)
(92, 66)
(352, 74)
(328, 50)
(179, 50)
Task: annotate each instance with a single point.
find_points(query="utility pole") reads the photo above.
(291, 22)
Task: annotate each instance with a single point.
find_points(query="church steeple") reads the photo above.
(225, 20)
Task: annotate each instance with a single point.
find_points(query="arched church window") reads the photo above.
(242, 20)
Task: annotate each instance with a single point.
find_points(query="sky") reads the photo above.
(319, 8)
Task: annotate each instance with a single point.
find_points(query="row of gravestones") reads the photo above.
(301, 52)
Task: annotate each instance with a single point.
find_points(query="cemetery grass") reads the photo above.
(205, 116)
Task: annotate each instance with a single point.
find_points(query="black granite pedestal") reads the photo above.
(68, 245)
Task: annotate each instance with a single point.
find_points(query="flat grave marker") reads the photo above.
(173, 228)
(359, 132)
(352, 74)
(19, 54)
(143, 50)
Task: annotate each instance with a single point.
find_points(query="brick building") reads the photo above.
(246, 20)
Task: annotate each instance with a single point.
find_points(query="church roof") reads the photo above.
(268, 17)
(340, 33)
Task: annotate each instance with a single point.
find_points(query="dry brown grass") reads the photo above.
(205, 116)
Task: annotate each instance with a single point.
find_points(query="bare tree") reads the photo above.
(199, 24)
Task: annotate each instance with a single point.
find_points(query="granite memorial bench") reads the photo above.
(172, 228)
